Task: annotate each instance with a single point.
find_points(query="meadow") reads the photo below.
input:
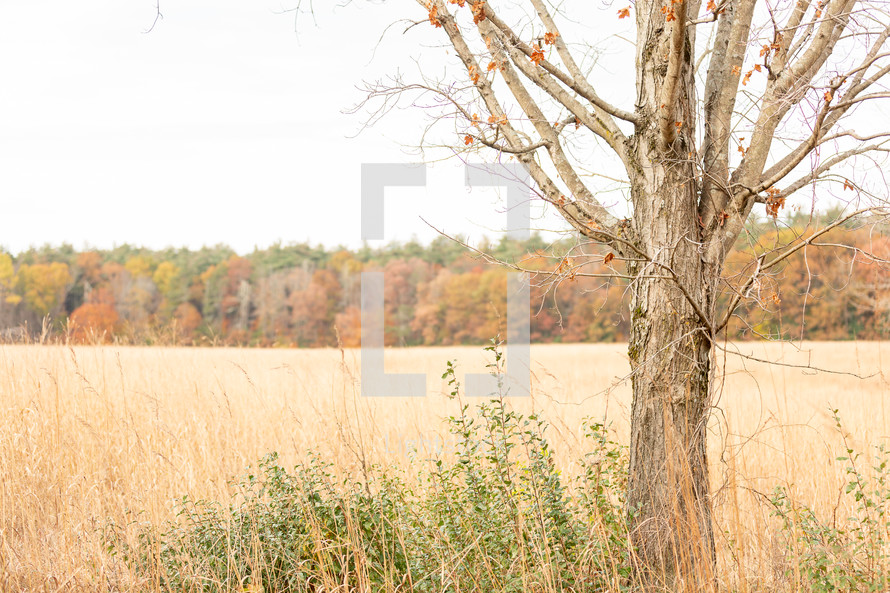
(95, 435)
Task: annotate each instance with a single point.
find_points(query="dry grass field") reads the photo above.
(89, 434)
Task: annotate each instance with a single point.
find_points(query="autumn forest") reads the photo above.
(437, 294)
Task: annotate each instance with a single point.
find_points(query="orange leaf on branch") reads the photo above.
(550, 38)
(478, 12)
(774, 202)
(537, 54)
(434, 10)
(468, 139)
(609, 257)
(474, 74)
(624, 12)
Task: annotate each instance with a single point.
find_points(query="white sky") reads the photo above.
(222, 125)
(225, 125)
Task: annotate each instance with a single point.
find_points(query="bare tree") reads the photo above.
(756, 112)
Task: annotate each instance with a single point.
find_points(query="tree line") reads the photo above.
(437, 294)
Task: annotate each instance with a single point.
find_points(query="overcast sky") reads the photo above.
(222, 125)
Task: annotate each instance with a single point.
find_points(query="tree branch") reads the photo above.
(585, 214)
(668, 98)
(605, 128)
(737, 297)
(577, 75)
(721, 87)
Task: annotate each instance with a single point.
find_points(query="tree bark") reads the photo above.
(668, 497)
(670, 352)
(669, 506)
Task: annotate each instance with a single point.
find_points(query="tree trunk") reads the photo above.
(669, 506)
(670, 352)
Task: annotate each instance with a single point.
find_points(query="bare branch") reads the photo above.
(763, 267)
(719, 103)
(668, 98)
(585, 213)
(604, 127)
(828, 164)
(578, 77)
(158, 17)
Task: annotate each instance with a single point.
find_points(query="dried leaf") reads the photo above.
(474, 74)
(478, 12)
(537, 54)
(774, 202)
(434, 9)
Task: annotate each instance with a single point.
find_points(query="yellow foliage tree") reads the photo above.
(7, 275)
(139, 266)
(165, 277)
(42, 286)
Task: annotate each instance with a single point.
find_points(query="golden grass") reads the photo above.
(92, 433)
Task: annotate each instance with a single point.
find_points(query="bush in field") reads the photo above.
(847, 553)
(496, 517)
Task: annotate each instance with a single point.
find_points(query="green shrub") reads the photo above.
(847, 553)
(497, 517)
